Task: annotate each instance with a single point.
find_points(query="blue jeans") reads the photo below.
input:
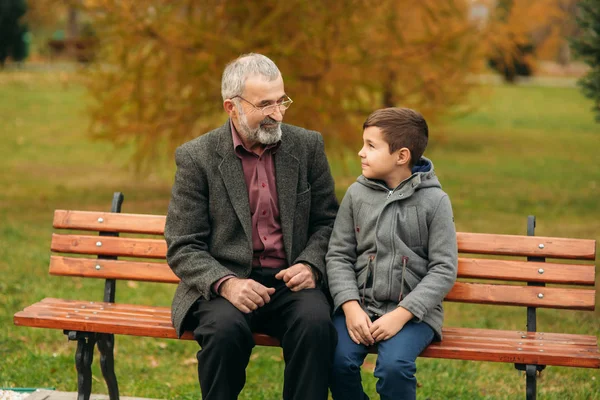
(395, 368)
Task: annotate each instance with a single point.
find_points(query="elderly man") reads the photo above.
(250, 216)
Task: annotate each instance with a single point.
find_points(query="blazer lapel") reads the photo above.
(286, 171)
(233, 178)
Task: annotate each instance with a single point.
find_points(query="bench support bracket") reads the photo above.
(531, 371)
(83, 361)
(106, 343)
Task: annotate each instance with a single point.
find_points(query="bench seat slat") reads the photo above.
(50, 302)
(527, 271)
(563, 298)
(112, 269)
(109, 246)
(459, 343)
(164, 313)
(466, 352)
(109, 222)
(528, 246)
(496, 334)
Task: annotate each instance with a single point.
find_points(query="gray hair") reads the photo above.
(243, 67)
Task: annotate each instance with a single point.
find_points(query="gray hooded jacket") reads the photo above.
(394, 248)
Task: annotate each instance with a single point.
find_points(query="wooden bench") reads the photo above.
(486, 279)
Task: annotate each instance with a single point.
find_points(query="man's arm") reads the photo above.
(188, 227)
(322, 211)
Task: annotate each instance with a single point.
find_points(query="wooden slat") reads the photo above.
(478, 243)
(515, 245)
(109, 222)
(110, 246)
(497, 334)
(163, 313)
(526, 271)
(587, 359)
(112, 269)
(564, 298)
(505, 270)
(458, 343)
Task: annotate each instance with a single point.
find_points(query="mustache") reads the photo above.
(268, 121)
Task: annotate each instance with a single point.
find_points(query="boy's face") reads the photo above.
(376, 160)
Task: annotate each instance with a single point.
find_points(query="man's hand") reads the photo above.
(297, 277)
(391, 323)
(358, 323)
(245, 294)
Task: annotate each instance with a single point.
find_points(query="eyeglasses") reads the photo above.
(283, 105)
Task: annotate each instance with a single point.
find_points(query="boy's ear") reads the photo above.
(403, 156)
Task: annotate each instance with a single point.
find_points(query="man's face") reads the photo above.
(254, 126)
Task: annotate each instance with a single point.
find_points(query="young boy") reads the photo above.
(392, 258)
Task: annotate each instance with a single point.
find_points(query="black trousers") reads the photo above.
(300, 320)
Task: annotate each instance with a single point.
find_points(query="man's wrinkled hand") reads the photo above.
(297, 277)
(246, 295)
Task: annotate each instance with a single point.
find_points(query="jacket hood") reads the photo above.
(423, 176)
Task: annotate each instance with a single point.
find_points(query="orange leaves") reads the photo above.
(157, 79)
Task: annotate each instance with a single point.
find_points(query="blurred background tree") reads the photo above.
(525, 31)
(158, 82)
(587, 46)
(14, 39)
(156, 79)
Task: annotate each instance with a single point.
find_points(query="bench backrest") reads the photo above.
(493, 269)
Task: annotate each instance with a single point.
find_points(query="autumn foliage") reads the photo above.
(156, 81)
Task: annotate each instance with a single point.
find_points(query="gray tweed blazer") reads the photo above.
(208, 229)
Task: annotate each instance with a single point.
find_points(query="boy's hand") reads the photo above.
(358, 323)
(391, 323)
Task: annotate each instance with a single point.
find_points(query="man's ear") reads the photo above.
(403, 156)
(229, 107)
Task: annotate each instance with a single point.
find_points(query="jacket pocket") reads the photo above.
(303, 196)
(408, 227)
(404, 279)
(365, 278)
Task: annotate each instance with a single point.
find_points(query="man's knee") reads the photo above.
(223, 327)
(314, 320)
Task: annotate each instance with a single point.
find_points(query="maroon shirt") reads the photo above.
(259, 174)
(267, 237)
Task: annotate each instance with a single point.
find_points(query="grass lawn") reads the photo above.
(525, 150)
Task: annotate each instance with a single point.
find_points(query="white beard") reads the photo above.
(260, 134)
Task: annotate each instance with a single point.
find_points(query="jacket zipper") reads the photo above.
(391, 273)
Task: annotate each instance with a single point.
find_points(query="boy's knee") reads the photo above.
(346, 363)
(396, 368)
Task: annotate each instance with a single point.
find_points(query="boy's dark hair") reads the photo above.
(401, 127)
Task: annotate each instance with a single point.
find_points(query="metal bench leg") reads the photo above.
(83, 363)
(531, 374)
(106, 345)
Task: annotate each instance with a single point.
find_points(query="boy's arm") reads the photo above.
(442, 267)
(341, 256)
